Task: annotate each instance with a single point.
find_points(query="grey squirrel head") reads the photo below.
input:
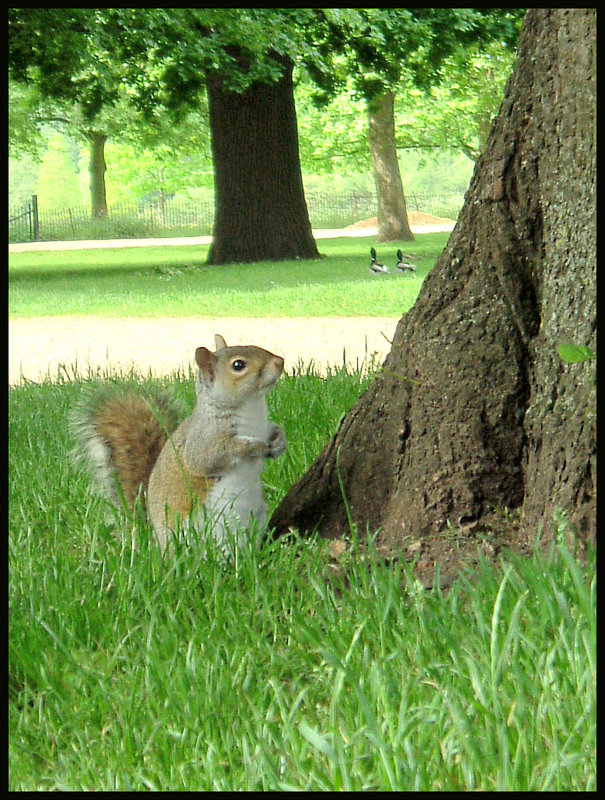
(232, 375)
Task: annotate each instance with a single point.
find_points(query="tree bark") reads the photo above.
(97, 168)
(392, 212)
(473, 409)
(260, 207)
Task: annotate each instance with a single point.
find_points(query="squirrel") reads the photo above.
(205, 470)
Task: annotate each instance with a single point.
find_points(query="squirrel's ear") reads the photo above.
(219, 342)
(205, 361)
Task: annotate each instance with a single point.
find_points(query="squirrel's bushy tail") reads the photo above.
(119, 434)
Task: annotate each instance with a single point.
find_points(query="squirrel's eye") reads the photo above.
(238, 365)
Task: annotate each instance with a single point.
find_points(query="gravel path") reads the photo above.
(39, 347)
(433, 225)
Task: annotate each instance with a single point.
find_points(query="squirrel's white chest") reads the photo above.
(252, 419)
(238, 494)
(235, 498)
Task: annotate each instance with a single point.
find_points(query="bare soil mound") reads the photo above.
(415, 218)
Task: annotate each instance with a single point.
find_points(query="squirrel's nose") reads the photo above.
(271, 371)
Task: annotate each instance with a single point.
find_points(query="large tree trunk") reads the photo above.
(392, 212)
(474, 410)
(260, 207)
(97, 168)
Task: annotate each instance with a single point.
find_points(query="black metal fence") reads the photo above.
(195, 217)
(24, 226)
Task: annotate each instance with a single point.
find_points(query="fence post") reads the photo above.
(36, 218)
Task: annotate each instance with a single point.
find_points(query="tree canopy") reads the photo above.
(159, 58)
(377, 48)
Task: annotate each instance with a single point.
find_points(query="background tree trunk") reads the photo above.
(392, 212)
(260, 207)
(474, 410)
(97, 168)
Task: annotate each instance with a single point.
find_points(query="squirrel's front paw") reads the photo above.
(277, 442)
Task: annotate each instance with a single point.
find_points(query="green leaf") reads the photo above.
(574, 353)
(318, 741)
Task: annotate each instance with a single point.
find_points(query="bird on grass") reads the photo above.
(402, 265)
(375, 267)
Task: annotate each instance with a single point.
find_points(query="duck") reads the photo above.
(375, 267)
(402, 265)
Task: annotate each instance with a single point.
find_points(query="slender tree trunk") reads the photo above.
(474, 410)
(392, 212)
(260, 207)
(97, 168)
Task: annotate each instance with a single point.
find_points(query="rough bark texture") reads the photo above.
(97, 168)
(474, 410)
(392, 212)
(260, 207)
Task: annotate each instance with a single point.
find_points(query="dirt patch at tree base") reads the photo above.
(436, 562)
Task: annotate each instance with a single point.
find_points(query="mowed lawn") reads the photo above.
(176, 281)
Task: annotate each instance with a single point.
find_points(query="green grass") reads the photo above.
(129, 671)
(175, 281)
